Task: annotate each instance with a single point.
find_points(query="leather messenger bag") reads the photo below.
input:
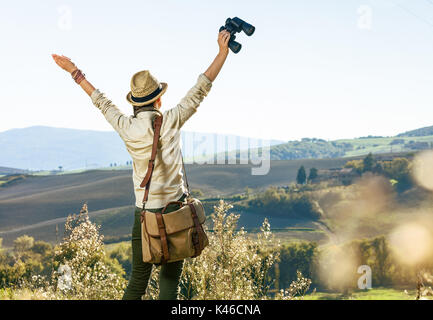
(174, 236)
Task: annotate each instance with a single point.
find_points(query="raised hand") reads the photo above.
(64, 62)
(223, 41)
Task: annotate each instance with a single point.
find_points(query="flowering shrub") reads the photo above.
(424, 290)
(234, 265)
(296, 289)
(84, 271)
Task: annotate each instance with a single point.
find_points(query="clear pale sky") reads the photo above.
(316, 68)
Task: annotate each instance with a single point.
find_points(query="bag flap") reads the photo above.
(175, 221)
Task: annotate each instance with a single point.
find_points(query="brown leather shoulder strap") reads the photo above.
(163, 237)
(184, 174)
(197, 238)
(151, 165)
(157, 124)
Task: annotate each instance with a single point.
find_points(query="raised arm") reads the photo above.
(66, 64)
(223, 39)
(176, 117)
(114, 116)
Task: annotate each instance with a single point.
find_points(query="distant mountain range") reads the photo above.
(6, 171)
(47, 148)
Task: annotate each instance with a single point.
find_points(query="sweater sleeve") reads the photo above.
(177, 116)
(114, 116)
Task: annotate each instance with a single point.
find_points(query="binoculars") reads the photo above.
(236, 25)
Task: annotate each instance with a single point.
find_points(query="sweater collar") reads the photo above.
(143, 112)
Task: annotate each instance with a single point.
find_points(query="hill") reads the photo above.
(314, 148)
(321, 149)
(310, 149)
(34, 205)
(6, 171)
(47, 148)
(426, 131)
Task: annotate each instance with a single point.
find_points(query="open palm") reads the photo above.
(64, 62)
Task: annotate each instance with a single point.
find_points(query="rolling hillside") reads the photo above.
(315, 148)
(421, 132)
(320, 149)
(36, 204)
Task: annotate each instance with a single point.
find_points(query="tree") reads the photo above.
(296, 256)
(382, 262)
(378, 168)
(368, 162)
(23, 243)
(123, 254)
(313, 174)
(356, 165)
(399, 169)
(41, 247)
(301, 177)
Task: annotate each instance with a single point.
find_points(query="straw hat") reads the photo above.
(145, 89)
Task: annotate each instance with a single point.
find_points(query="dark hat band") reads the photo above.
(148, 97)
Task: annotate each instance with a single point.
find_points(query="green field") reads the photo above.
(381, 145)
(371, 294)
(319, 148)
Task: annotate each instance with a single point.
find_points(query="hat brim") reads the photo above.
(139, 104)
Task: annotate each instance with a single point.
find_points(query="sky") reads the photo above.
(314, 68)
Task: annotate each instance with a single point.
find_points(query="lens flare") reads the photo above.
(411, 243)
(338, 268)
(423, 169)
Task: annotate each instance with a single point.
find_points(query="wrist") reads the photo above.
(223, 52)
(72, 70)
(78, 76)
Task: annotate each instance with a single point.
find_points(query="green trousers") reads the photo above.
(169, 275)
